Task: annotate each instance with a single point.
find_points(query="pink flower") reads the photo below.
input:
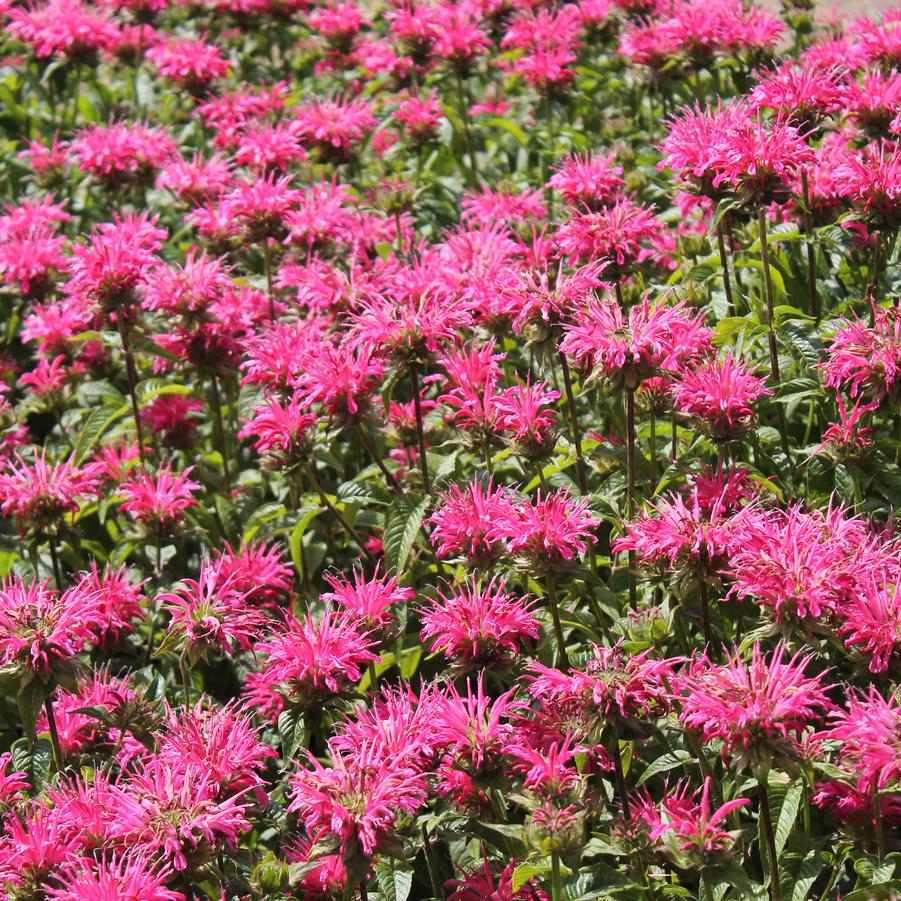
(366, 601)
(257, 570)
(334, 125)
(865, 361)
(41, 630)
(12, 783)
(210, 612)
(848, 439)
(284, 432)
(354, 799)
(590, 180)
(479, 626)
(40, 494)
(120, 600)
(184, 819)
(63, 28)
(483, 883)
(507, 207)
(719, 394)
(869, 179)
(552, 529)
(614, 687)
(122, 152)
(314, 661)
(189, 62)
(759, 709)
(616, 236)
(159, 501)
(527, 419)
(872, 618)
(464, 518)
(131, 874)
(870, 734)
(692, 826)
(628, 348)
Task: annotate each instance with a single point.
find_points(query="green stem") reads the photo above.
(768, 287)
(57, 569)
(574, 423)
(368, 446)
(267, 268)
(351, 531)
(814, 297)
(420, 429)
(620, 778)
(463, 96)
(220, 432)
(724, 263)
(132, 374)
(555, 877)
(431, 863)
(705, 616)
(877, 822)
(185, 680)
(54, 733)
(562, 657)
(630, 489)
(767, 821)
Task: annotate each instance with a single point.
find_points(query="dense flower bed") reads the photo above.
(449, 450)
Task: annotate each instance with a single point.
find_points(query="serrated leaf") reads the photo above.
(664, 764)
(526, 871)
(34, 760)
(799, 882)
(403, 522)
(97, 423)
(785, 811)
(292, 730)
(306, 516)
(148, 389)
(395, 882)
(29, 699)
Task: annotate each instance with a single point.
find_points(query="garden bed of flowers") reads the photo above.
(449, 450)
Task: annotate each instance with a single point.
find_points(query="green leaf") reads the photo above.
(509, 126)
(664, 764)
(799, 882)
(150, 388)
(526, 871)
(34, 761)
(292, 729)
(785, 803)
(403, 521)
(30, 698)
(394, 882)
(307, 515)
(97, 423)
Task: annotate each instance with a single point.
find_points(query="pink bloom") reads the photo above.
(334, 125)
(41, 630)
(614, 687)
(692, 825)
(507, 207)
(367, 601)
(122, 152)
(257, 570)
(870, 735)
(719, 394)
(616, 235)
(479, 626)
(12, 783)
(865, 360)
(590, 180)
(552, 529)
(872, 619)
(183, 815)
(189, 62)
(63, 28)
(527, 419)
(355, 798)
(484, 883)
(120, 600)
(759, 709)
(285, 432)
(210, 612)
(313, 661)
(132, 874)
(464, 518)
(40, 494)
(628, 348)
(159, 501)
